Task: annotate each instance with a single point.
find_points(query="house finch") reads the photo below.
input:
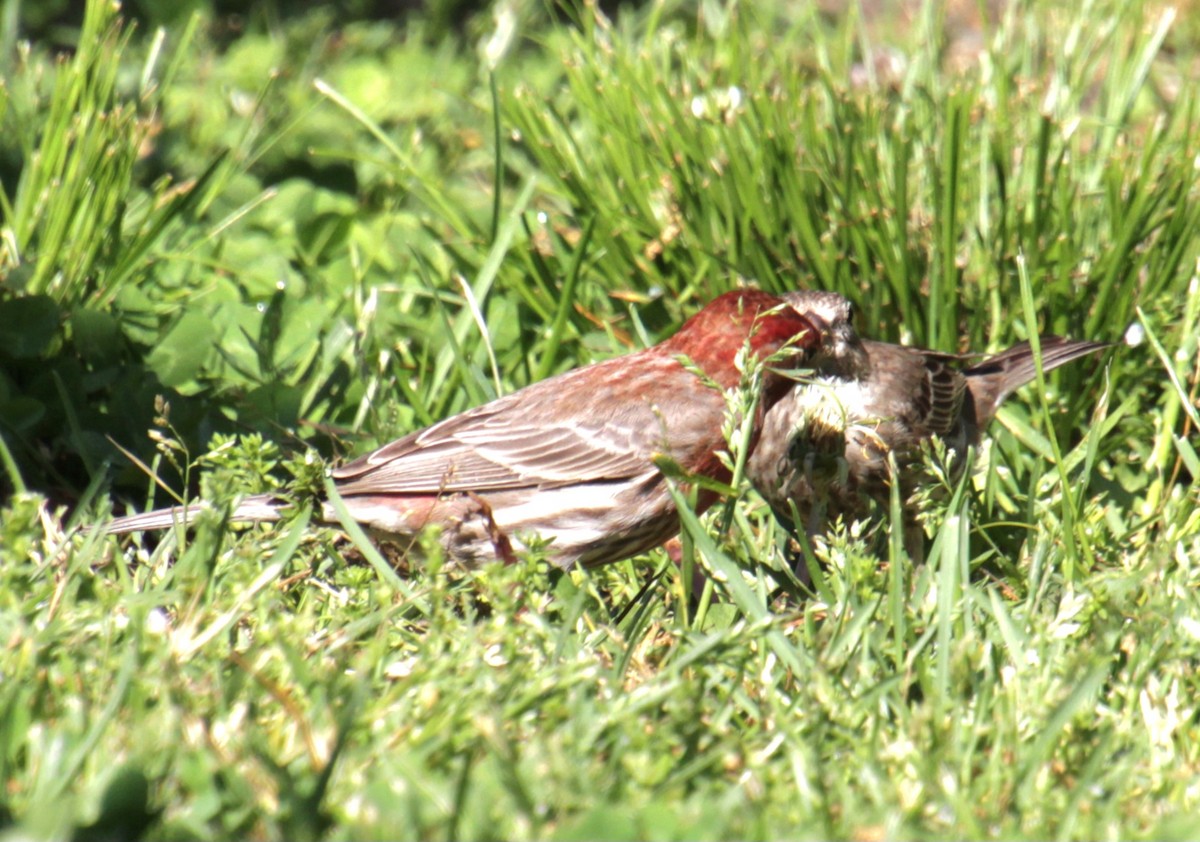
(569, 459)
(825, 445)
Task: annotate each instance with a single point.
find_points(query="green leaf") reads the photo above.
(96, 335)
(179, 356)
(28, 326)
(21, 413)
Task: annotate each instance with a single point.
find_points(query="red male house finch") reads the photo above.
(570, 459)
(825, 445)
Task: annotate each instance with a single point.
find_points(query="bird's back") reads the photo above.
(841, 426)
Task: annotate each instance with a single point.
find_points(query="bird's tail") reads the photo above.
(998, 376)
(259, 507)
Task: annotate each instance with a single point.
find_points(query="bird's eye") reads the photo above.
(851, 312)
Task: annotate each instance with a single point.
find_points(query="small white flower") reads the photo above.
(400, 669)
(494, 656)
(242, 102)
(1190, 627)
(157, 621)
(502, 37)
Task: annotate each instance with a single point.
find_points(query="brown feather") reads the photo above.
(886, 400)
(571, 458)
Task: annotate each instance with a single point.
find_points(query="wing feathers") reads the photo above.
(475, 459)
(998, 376)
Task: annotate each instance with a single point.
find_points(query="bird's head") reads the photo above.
(713, 337)
(840, 351)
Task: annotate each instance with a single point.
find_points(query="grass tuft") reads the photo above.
(297, 240)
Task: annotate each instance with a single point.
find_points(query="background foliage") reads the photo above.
(257, 231)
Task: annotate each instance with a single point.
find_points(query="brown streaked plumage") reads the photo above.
(569, 459)
(825, 445)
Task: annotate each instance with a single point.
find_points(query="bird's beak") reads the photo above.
(823, 331)
(844, 335)
(801, 365)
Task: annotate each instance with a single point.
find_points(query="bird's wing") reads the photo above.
(487, 450)
(920, 392)
(944, 388)
(998, 376)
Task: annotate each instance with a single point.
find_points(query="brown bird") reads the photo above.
(825, 445)
(570, 459)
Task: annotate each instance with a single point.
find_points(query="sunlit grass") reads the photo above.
(345, 271)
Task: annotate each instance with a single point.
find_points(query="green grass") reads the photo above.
(281, 235)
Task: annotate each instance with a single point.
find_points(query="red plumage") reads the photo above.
(569, 459)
